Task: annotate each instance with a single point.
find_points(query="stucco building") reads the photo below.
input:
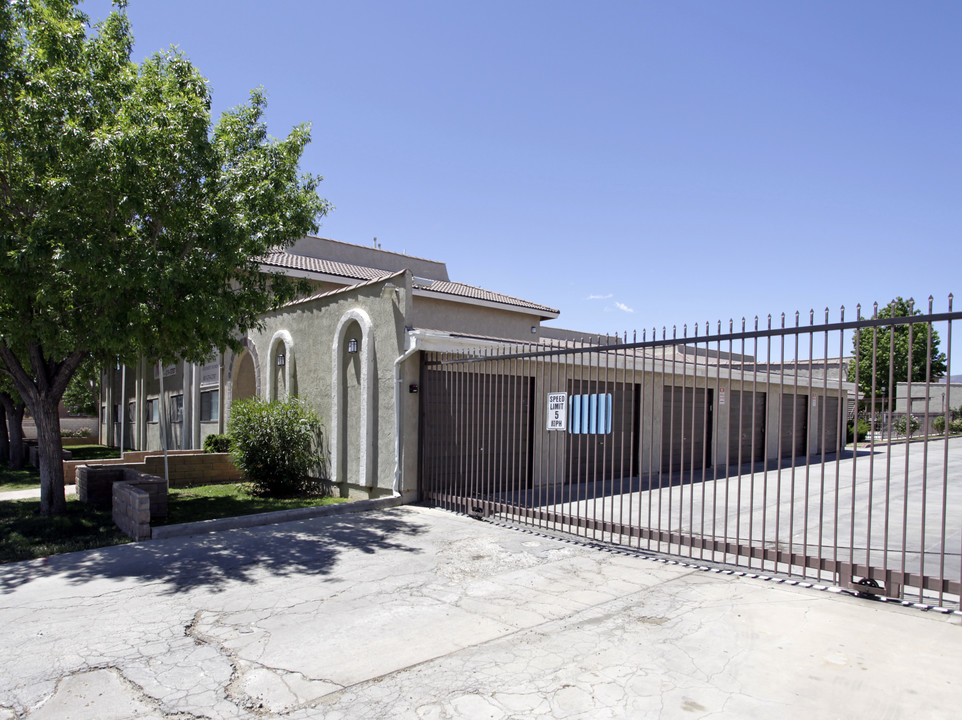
(354, 350)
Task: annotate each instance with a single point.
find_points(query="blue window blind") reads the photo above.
(590, 414)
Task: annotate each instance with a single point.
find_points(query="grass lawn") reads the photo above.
(29, 477)
(219, 501)
(25, 535)
(93, 452)
(24, 479)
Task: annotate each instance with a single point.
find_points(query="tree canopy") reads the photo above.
(893, 342)
(130, 224)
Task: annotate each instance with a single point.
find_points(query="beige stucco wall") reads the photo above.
(462, 317)
(359, 429)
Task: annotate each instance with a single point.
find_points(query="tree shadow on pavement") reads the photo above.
(215, 560)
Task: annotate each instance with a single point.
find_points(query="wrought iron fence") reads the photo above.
(733, 445)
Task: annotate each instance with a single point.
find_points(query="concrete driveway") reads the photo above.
(418, 613)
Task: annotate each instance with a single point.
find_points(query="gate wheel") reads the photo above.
(868, 582)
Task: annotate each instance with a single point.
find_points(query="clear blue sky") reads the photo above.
(632, 164)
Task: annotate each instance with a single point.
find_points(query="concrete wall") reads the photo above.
(939, 398)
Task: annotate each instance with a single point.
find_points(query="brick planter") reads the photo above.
(135, 498)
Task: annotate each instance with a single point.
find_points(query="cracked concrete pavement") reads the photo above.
(418, 613)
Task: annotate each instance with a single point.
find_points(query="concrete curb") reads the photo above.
(270, 518)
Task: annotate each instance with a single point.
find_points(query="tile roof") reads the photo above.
(346, 288)
(476, 293)
(326, 267)
(360, 272)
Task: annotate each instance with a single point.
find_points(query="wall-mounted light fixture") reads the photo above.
(281, 359)
(534, 329)
(352, 345)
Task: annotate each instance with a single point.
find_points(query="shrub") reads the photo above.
(76, 433)
(276, 445)
(217, 444)
(956, 426)
(863, 428)
(906, 422)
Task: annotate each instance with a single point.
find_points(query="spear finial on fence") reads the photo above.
(769, 321)
(931, 300)
(950, 302)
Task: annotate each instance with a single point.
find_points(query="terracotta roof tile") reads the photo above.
(319, 265)
(360, 272)
(476, 293)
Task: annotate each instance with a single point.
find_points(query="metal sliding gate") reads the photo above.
(787, 450)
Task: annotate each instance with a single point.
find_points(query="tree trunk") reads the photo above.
(4, 438)
(13, 415)
(50, 453)
(41, 389)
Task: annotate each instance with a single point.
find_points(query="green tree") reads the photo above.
(130, 225)
(82, 395)
(893, 342)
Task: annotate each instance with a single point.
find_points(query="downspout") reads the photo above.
(397, 413)
(164, 425)
(123, 407)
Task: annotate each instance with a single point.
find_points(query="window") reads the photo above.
(150, 410)
(131, 411)
(103, 414)
(177, 408)
(210, 405)
(590, 414)
(116, 415)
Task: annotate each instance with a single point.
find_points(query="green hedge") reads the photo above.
(277, 446)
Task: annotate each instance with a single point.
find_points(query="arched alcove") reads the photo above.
(353, 399)
(281, 366)
(244, 381)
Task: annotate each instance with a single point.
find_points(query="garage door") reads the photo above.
(476, 432)
(602, 430)
(829, 420)
(686, 428)
(746, 427)
(794, 431)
